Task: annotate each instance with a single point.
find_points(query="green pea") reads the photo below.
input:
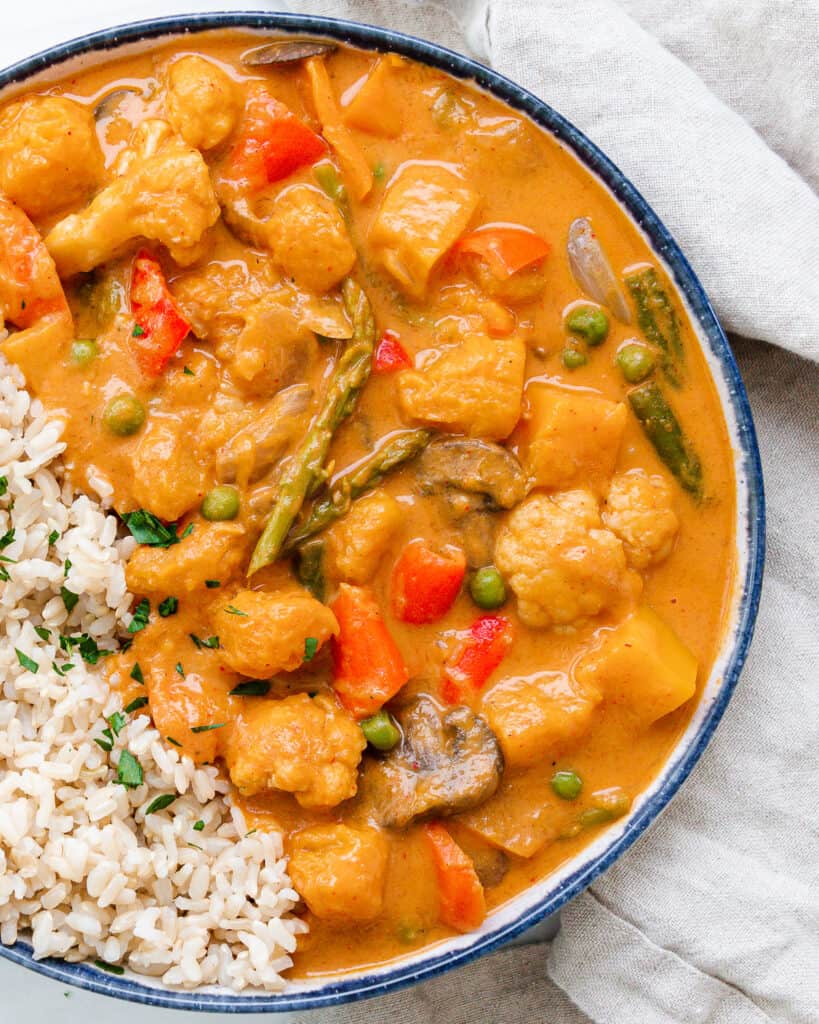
(220, 503)
(609, 804)
(84, 351)
(124, 415)
(487, 588)
(635, 361)
(589, 323)
(567, 785)
(572, 358)
(380, 731)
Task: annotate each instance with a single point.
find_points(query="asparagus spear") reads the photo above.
(306, 473)
(310, 571)
(397, 450)
(663, 429)
(658, 319)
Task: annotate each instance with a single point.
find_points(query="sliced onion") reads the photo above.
(592, 270)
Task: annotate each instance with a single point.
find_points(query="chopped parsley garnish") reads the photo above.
(117, 721)
(4, 485)
(107, 743)
(168, 607)
(188, 371)
(110, 968)
(251, 688)
(66, 566)
(4, 574)
(141, 614)
(170, 739)
(232, 610)
(7, 538)
(136, 704)
(213, 584)
(69, 599)
(26, 662)
(136, 674)
(147, 529)
(179, 669)
(212, 642)
(310, 648)
(187, 531)
(86, 645)
(42, 632)
(138, 331)
(198, 826)
(54, 536)
(207, 728)
(129, 770)
(61, 671)
(161, 802)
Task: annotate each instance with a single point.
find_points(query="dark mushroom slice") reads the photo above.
(288, 51)
(108, 105)
(477, 467)
(448, 761)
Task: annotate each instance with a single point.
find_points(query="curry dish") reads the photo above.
(431, 489)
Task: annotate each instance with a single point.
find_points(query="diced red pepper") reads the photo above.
(461, 900)
(367, 666)
(390, 355)
(424, 583)
(160, 327)
(480, 652)
(507, 248)
(272, 144)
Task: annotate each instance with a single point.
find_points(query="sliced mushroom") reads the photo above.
(288, 51)
(478, 467)
(108, 105)
(448, 761)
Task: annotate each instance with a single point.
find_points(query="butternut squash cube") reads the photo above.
(423, 213)
(375, 106)
(641, 664)
(539, 716)
(568, 437)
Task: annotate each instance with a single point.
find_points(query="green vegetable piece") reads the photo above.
(231, 609)
(147, 529)
(42, 632)
(4, 486)
(160, 803)
(168, 607)
(124, 415)
(141, 615)
(380, 731)
(573, 358)
(129, 770)
(310, 648)
(635, 361)
(198, 826)
(657, 319)
(213, 584)
(170, 739)
(70, 599)
(589, 323)
(179, 669)
(136, 704)
(305, 471)
(487, 588)
(310, 573)
(211, 643)
(331, 184)
(27, 663)
(84, 351)
(117, 721)
(609, 804)
(251, 688)
(567, 785)
(110, 968)
(208, 728)
(663, 429)
(220, 503)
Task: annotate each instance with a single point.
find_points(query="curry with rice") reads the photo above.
(431, 488)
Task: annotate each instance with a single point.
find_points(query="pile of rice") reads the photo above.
(84, 872)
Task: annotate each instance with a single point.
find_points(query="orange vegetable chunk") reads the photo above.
(462, 902)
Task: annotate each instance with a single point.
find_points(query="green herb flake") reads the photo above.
(7, 538)
(69, 599)
(160, 803)
(42, 632)
(110, 968)
(138, 331)
(208, 728)
(66, 566)
(106, 744)
(232, 610)
(310, 648)
(141, 614)
(136, 704)
(169, 607)
(213, 584)
(211, 643)
(61, 671)
(136, 674)
(147, 529)
(89, 651)
(117, 721)
(187, 531)
(198, 825)
(170, 739)
(179, 669)
(4, 485)
(26, 662)
(53, 537)
(251, 688)
(188, 371)
(4, 574)
(129, 770)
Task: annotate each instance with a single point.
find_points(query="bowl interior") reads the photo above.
(550, 894)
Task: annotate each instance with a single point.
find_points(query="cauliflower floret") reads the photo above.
(202, 102)
(306, 746)
(359, 541)
(163, 193)
(269, 632)
(561, 563)
(474, 388)
(274, 348)
(639, 509)
(213, 551)
(169, 479)
(50, 156)
(340, 871)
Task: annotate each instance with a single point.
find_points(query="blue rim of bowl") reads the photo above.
(361, 986)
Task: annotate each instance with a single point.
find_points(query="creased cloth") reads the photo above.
(712, 109)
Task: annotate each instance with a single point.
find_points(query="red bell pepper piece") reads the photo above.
(480, 652)
(272, 143)
(367, 666)
(390, 355)
(507, 248)
(424, 583)
(461, 900)
(160, 327)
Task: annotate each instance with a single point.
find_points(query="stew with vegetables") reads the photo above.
(429, 485)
